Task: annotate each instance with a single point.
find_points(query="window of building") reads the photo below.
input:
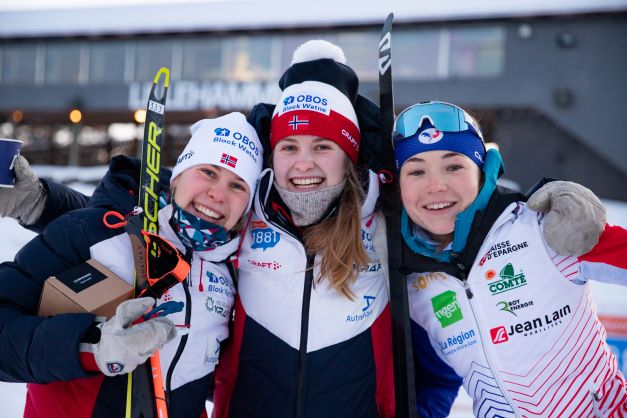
(477, 52)
(415, 54)
(19, 64)
(106, 62)
(202, 59)
(362, 54)
(63, 63)
(249, 58)
(150, 56)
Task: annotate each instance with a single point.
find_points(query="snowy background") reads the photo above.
(610, 299)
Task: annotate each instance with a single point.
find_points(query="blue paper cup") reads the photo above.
(9, 151)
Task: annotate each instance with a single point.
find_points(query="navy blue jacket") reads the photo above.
(44, 350)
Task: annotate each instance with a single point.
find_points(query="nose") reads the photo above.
(304, 161)
(435, 183)
(217, 192)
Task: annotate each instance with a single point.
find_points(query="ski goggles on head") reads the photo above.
(442, 116)
(436, 126)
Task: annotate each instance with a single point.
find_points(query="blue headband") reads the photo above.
(437, 126)
(432, 139)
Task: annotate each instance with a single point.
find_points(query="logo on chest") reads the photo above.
(446, 308)
(366, 310)
(263, 236)
(502, 248)
(534, 326)
(508, 280)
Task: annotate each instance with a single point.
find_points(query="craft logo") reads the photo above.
(430, 136)
(185, 156)
(272, 265)
(222, 132)
(508, 280)
(263, 236)
(423, 280)
(216, 306)
(458, 342)
(499, 335)
(502, 248)
(513, 305)
(228, 160)
(446, 308)
(527, 328)
(295, 123)
(366, 310)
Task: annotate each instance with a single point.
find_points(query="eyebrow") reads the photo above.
(445, 156)
(316, 139)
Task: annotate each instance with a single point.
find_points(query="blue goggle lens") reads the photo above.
(442, 116)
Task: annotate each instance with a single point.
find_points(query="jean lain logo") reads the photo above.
(499, 335)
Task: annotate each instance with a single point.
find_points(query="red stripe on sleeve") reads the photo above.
(611, 248)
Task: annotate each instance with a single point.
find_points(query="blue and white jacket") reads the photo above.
(43, 351)
(517, 321)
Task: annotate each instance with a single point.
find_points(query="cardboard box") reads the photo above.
(88, 287)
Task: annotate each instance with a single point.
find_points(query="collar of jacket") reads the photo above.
(268, 203)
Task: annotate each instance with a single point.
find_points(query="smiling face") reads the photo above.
(306, 162)
(212, 193)
(435, 187)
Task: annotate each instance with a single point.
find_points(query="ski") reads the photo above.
(145, 396)
(404, 385)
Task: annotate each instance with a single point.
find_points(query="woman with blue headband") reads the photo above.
(487, 290)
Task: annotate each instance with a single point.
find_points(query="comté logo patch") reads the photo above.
(508, 280)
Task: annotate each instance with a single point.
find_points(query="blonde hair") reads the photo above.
(339, 239)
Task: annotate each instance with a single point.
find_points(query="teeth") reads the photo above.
(307, 182)
(207, 212)
(434, 206)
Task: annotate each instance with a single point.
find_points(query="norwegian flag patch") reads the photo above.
(228, 160)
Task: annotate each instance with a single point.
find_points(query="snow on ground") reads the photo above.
(610, 299)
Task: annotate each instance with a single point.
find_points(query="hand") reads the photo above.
(25, 202)
(575, 218)
(123, 347)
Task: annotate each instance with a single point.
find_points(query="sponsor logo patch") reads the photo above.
(216, 306)
(263, 236)
(446, 308)
(528, 328)
(272, 265)
(458, 342)
(424, 280)
(508, 280)
(366, 310)
(512, 306)
(502, 248)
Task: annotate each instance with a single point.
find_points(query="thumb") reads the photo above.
(540, 201)
(153, 334)
(130, 310)
(22, 169)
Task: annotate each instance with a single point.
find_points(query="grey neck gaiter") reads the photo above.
(308, 207)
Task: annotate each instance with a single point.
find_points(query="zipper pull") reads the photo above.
(467, 288)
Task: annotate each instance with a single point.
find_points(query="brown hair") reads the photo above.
(339, 240)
